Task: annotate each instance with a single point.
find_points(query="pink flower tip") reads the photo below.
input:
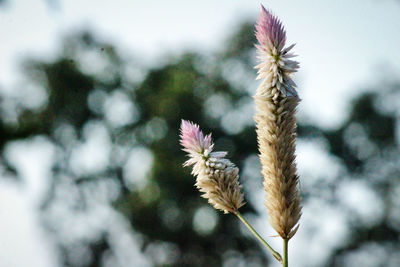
(193, 139)
(269, 30)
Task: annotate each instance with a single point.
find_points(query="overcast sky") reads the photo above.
(341, 46)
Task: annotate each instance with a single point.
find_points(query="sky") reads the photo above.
(342, 47)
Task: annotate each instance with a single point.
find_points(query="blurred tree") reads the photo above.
(84, 87)
(115, 129)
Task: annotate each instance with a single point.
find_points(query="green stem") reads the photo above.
(274, 253)
(285, 253)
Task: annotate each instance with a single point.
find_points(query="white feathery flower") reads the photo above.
(216, 177)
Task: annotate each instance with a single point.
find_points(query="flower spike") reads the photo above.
(216, 177)
(276, 101)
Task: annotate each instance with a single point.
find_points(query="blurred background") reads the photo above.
(91, 98)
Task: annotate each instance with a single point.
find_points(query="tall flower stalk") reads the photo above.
(276, 101)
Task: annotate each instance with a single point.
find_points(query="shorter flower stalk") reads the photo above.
(216, 177)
